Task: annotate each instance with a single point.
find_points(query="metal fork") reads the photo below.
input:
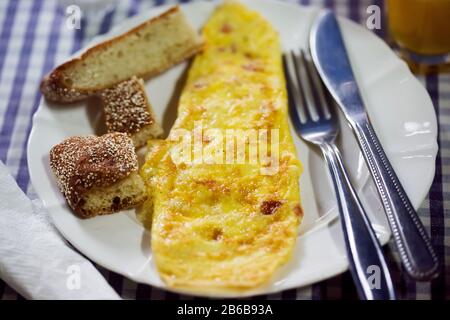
(316, 123)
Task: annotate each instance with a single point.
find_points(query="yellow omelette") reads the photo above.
(227, 225)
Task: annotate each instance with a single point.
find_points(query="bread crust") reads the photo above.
(127, 109)
(81, 164)
(55, 88)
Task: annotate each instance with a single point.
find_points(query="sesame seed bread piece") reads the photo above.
(98, 175)
(145, 51)
(128, 110)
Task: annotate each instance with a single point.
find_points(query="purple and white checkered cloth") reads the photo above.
(33, 39)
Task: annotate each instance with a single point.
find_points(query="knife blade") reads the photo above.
(331, 59)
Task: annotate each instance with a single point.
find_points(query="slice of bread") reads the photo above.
(144, 51)
(98, 175)
(128, 110)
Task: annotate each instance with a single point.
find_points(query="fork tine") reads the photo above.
(316, 87)
(303, 109)
(305, 85)
(301, 83)
(297, 103)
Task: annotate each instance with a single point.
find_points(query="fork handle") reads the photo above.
(367, 264)
(416, 252)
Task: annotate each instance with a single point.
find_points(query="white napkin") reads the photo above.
(34, 259)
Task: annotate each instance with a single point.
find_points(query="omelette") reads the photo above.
(227, 220)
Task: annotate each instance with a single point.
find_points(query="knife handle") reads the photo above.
(416, 252)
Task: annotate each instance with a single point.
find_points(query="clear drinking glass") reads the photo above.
(420, 29)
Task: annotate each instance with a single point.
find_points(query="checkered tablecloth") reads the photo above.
(34, 38)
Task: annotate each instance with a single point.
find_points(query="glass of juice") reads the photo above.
(420, 29)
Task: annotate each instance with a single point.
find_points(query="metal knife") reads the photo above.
(333, 64)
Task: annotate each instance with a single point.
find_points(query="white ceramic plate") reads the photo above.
(398, 105)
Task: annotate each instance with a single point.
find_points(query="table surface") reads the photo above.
(34, 38)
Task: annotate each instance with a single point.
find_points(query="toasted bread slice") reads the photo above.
(128, 110)
(98, 175)
(144, 51)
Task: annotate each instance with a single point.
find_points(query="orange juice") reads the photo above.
(421, 26)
